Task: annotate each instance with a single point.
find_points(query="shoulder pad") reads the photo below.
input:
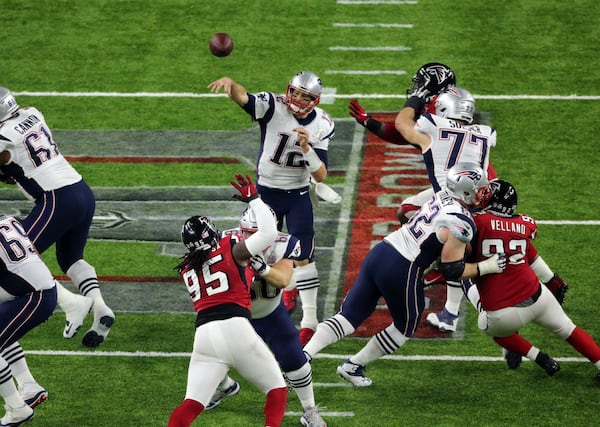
(461, 225)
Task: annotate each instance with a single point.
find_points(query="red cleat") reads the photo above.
(289, 300)
(305, 335)
(433, 278)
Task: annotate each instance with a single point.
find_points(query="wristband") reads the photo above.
(313, 163)
(266, 271)
(374, 126)
(415, 102)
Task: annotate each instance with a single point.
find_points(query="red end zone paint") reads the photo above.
(388, 174)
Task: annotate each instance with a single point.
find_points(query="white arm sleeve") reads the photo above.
(543, 272)
(267, 227)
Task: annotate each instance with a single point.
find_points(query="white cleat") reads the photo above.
(354, 373)
(16, 416)
(33, 394)
(219, 395)
(76, 310)
(444, 320)
(312, 418)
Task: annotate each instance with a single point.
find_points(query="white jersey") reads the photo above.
(266, 298)
(452, 143)
(281, 163)
(419, 238)
(23, 271)
(28, 139)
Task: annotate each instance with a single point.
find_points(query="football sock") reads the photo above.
(328, 332)
(585, 344)
(8, 390)
(275, 406)
(308, 297)
(301, 381)
(384, 342)
(185, 414)
(83, 275)
(15, 357)
(454, 295)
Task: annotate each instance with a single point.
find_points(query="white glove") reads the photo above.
(495, 264)
(258, 264)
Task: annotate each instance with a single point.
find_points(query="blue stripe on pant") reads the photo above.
(64, 217)
(19, 316)
(278, 331)
(386, 273)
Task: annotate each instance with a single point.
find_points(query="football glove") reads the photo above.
(245, 187)
(558, 287)
(494, 264)
(358, 112)
(259, 264)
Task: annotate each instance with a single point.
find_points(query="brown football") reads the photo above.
(220, 44)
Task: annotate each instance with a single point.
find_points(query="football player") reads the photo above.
(270, 272)
(213, 271)
(27, 299)
(295, 136)
(446, 138)
(393, 270)
(516, 297)
(62, 213)
(428, 82)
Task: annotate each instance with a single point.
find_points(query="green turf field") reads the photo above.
(128, 78)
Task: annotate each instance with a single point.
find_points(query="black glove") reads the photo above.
(558, 287)
(246, 188)
(259, 264)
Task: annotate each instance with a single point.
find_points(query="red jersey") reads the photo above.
(511, 236)
(221, 280)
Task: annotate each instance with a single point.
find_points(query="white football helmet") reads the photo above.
(8, 105)
(248, 222)
(456, 103)
(467, 182)
(307, 83)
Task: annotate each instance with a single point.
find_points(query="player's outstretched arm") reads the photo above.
(232, 89)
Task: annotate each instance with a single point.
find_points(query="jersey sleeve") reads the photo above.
(460, 225)
(260, 105)
(425, 124)
(326, 130)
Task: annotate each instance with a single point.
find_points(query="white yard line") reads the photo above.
(572, 97)
(166, 354)
(377, 25)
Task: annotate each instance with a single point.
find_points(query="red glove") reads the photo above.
(558, 287)
(358, 112)
(246, 188)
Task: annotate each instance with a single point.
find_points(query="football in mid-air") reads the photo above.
(220, 44)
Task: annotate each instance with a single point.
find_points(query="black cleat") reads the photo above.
(547, 363)
(95, 336)
(513, 360)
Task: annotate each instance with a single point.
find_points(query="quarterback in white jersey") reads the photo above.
(27, 299)
(62, 213)
(295, 136)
